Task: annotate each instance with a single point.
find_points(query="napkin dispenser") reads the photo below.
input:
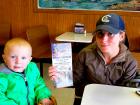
(79, 28)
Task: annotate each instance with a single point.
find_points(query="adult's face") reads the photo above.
(108, 42)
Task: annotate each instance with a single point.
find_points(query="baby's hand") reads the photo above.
(46, 102)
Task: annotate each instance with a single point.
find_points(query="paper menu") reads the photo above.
(62, 60)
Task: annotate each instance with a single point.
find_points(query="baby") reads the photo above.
(20, 80)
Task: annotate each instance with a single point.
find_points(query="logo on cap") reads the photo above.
(106, 18)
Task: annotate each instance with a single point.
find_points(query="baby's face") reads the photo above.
(17, 58)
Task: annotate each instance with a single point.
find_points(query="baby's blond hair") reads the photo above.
(17, 42)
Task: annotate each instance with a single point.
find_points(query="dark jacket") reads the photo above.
(90, 67)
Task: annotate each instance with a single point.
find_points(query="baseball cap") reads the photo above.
(112, 23)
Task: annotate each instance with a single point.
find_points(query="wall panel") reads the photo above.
(21, 15)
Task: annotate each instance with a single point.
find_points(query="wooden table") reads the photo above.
(97, 94)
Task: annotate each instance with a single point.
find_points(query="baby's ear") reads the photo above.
(3, 56)
(30, 58)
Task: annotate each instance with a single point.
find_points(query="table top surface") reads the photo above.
(97, 94)
(74, 37)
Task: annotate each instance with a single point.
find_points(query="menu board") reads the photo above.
(62, 60)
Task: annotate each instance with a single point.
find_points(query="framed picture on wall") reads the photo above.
(125, 5)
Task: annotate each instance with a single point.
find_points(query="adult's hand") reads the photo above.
(52, 73)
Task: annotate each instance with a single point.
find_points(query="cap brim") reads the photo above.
(107, 28)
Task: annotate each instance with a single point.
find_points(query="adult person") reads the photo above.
(107, 60)
(20, 80)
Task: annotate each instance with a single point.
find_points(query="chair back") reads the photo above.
(4, 37)
(39, 39)
(4, 33)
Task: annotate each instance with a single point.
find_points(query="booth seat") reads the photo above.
(137, 57)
